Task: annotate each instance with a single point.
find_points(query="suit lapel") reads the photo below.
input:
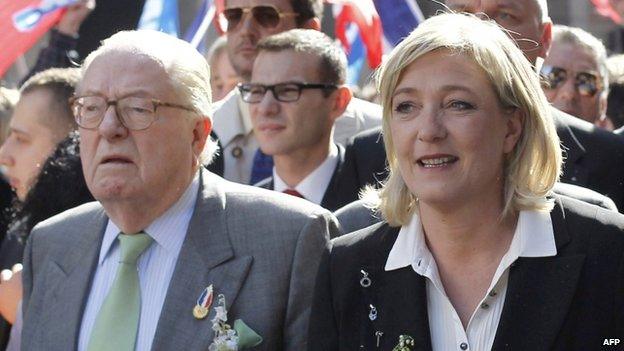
(538, 296)
(72, 275)
(340, 190)
(401, 299)
(206, 257)
(573, 151)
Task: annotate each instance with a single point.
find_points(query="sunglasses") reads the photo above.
(266, 16)
(587, 84)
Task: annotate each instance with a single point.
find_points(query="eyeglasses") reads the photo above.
(586, 83)
(135, 113)
(266, 15)
(284, 92)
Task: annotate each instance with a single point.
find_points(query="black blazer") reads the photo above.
(594, 158)
(342, 189)
(572, 301)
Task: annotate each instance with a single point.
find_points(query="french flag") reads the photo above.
(365, 27)
(605, 9)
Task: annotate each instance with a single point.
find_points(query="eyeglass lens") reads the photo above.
(266, 16)
(134, 112)
(586, 83)
(281, 92)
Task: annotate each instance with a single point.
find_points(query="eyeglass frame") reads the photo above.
(120, 116)
(280, 15)
(301, 86)
(598, 79)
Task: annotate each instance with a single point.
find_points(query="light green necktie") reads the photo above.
(118, 319)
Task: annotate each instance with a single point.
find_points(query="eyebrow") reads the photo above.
(445, 88)
(134, 92)
(18, 131)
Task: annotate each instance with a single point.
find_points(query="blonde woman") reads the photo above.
(475, 252)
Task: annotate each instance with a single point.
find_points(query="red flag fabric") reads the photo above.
(15, 43)
(365, 16)
(605, 9)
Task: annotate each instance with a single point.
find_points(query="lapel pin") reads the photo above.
(237, 152)
(200, 311)
(365, 282)
(372, 315)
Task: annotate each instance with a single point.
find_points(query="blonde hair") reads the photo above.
(533, 166)
(188, 70)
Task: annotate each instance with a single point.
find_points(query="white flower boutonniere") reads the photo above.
(406, 343)
(225, 338)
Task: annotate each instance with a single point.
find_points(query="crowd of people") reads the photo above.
(156, 198)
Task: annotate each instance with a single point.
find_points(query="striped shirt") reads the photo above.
(155, 265)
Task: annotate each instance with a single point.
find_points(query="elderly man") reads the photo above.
(296, 93)
(168, 248)
(594, 158)
(576, 75)
(248, 21)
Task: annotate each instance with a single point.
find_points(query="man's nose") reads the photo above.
(111, 126)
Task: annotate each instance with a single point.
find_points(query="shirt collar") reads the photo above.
(533, 237)
(231, 118)
(165, 230)
(314, 185)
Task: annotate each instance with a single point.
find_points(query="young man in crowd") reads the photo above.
(249, 21)
(576, 75)
(296, 94)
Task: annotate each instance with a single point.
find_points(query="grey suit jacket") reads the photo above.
(259, 248)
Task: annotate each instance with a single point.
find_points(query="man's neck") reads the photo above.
(296, 166)
(134, 214)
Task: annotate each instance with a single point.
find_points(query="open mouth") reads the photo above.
(434, 162)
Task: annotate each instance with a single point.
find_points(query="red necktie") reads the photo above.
(293, 193)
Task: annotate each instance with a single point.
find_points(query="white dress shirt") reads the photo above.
(232, 124)
(533, 237)
(314, 185)
(155, 266)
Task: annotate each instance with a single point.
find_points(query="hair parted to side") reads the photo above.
(533, 167)
(332, 59)
(187, 69)
(584, 41)
(307, 10)
(61, 83)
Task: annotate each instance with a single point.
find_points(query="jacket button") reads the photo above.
(463, 346)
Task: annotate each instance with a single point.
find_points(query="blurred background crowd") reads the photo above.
(583, 75)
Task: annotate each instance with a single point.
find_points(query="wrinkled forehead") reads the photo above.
(125, 72)
(529, 8)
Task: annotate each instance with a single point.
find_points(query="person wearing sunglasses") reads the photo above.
(575, 76)
(295, 95)
(246, 23)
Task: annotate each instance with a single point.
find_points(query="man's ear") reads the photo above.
(312, 23)
(545, 39)
(342, 97)
(201, 131)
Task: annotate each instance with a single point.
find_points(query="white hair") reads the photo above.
(188, 70)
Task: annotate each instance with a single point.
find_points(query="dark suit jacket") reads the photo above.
(343, 187)
(594, 158)
(571, 301)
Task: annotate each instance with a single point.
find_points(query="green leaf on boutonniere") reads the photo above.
(247, 337)
(406, 343)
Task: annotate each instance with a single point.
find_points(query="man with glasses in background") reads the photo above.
(295, 95)
(170, 257)
(249, 21)
(575, 75)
